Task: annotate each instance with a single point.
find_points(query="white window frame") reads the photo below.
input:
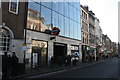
(16, 7)
(6, 47)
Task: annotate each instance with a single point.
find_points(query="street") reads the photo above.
(103, 69)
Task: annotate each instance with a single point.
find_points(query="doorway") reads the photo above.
(39, 54)
(60, 50)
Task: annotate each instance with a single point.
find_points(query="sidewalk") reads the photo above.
(53, 69)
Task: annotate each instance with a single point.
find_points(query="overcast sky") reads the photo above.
(107, 12)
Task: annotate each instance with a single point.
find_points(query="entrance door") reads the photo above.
(35, 57)
(60, 50)
(39, 54)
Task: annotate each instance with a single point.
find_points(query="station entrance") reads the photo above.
(60, 50)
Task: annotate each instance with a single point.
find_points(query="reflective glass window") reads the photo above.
(47, 4)
(71, 29)
(45, 18)
(79, 31)
(33, 18)
(55, 6)
(61, 7)
(78, 16)
(75, 30)
(55, 19)
(75, 14)
(75, 4)
(61, 24)
(78, 5)
(71, 12)
(66, 9)
(71, 3)
(67, 32)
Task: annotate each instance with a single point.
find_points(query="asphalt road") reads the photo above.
(104, 69)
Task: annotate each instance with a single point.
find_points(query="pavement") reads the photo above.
(48, 70)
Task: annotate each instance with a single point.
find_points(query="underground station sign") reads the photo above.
(55, 31)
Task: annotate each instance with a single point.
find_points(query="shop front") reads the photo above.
(39, 53)
(85, 53)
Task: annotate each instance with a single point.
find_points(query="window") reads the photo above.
(71, 29)
(55, 6)
(71, 12)
(55, 19)
(46, 15)
(33, 18)
(75, 30)
(67, 32)
(75, 16)
(61, 24)
(79, 31)
(61, 7)
(66, 10)
(13, 6)
(4, 40)
(47, 4)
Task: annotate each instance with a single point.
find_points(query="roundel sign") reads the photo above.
(55, 31)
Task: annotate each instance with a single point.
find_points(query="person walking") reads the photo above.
(69, 60)
(5, 67)
(14, 65)
(9, 65)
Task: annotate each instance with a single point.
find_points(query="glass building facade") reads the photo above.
(46, 15)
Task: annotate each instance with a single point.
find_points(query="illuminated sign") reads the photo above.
(55, 31)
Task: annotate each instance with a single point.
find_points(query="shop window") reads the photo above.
(39, 53)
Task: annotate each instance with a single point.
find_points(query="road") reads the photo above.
(104, 69)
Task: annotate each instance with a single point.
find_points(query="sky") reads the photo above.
(107, 12)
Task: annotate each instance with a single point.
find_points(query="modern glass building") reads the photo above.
(42, 16)
(63, 15)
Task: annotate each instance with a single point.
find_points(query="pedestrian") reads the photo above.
(52, 61)
(4, 66)
(14, 64)
(68, 60)
(9, 65)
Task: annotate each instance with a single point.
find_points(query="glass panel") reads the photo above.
(61, 24)
(71, 29)
(71, 12)
(75, 30)
(33, 18)
(75, 4)
(75, 14)
(79, 31)
(45, 18)
(61, 7)
(47, 4)
(55, 19)
(55, 6)
(78, 16)
(78, 5)
(67, 32)
(66, 9)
